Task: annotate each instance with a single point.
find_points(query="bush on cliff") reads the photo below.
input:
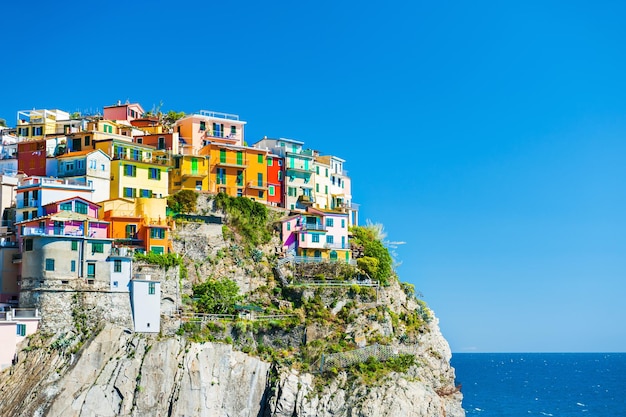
(367, 237)
(216, 296)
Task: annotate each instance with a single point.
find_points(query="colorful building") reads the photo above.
(340, 187)
(37, 124)
(139, 223)
(298, 181)
(318, 234)
(91, 167)
(275, 180)
(190, 172)
(137, 170)
(15, 326)
(34, 193)
(127, 111)
(198, 129)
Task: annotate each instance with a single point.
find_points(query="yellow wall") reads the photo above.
(257, 164)
(184, 178)
(141, 180)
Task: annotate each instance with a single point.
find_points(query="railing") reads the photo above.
(336, 245)
(301, 169)
(218, 115)
(313, 226)
(36, 231)
(51, 181)
(123, 251)
(21, 203)
(232, 162)
(310, 259)
(19, 313)
(380, 352)
(333, 283)
(255, 184)
(300, 152)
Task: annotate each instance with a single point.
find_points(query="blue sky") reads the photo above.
(489, 137)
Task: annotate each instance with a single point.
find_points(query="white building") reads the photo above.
(146, 304)
(91, 167)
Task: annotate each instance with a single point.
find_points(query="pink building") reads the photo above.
(119, 111)
(15, 326)
(199, 129)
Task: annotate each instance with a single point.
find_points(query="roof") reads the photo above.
(81, 153)
(64, 216)
(72, 198)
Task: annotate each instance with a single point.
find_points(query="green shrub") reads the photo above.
(217, 296)
(373, 248)
(184, 201)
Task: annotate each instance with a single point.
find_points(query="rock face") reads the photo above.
(121, 374)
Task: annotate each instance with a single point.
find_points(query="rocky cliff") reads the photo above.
(314, 361)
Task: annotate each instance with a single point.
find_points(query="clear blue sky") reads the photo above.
(489, 137)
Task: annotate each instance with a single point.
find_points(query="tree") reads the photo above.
(373, 248)
(183, 201)
(217, 296)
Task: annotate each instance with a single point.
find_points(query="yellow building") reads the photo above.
(136, 170)
(36, 124)
(139, 223)
(190, 172)
(237, 171)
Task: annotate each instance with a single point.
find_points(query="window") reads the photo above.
(280, 162)
(87, 140)
(343, 223)
(221, 176)
(69, 166)
(233, 130)
(260, 193)
(260, 158)
(202, 126)
(28, 245)
(22, 131)
(240, 178)
(145, 193)
(73, 266)
(117, 266)
(93, 164)
(317, 170)
(151, 288)
(288, 226)
(66, 206)
(280, 175)
(49, 264)
(329, 222)
(315, 238)
(161, 143)
(116, 284)
(239, 192)
(81, 207)
(91, 270)
(37, 131)
(317, 188)
(102, 167)
(270, 162)
(21, 329)
(156, 233)
(97, 247)
(326, 172)
(154, 174)
(326, 189)
(74, 245)
(130, 192)
(198, 185)
(302, 237)
(329, 239)
(271, 190)
(130, 170)
(291, 191)
(157, 249)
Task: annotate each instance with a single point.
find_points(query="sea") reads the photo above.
(542, 384)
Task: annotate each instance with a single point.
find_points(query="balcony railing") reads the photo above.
(218, 115)
(195, 174)
(301, 168)
(31, 202)
(301, 152)
(123, 252)
(337, 246)
(52, 181)
(258, 185)
(19, 313)
(37, 231)
(232, 162)
(313, 226)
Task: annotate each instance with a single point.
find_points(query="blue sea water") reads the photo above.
(542, 384)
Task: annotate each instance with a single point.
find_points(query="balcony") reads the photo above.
(232, 162)
(53, 231)
(344, 246)
(318, 227)
(306, 153)
(256, 185)
(31, 202)
(51, 182)
(123, 252)
(218, 115)
(194, 174)
(301, 168)
(218, 136)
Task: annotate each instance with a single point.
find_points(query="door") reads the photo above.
(194, 166)
(239, 158)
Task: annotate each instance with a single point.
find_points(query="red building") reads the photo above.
(31, 157)
(275, 180)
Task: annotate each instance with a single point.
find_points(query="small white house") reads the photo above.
(121, 263)
(146, 304)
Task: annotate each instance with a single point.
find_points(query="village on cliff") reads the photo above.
(81, 194)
